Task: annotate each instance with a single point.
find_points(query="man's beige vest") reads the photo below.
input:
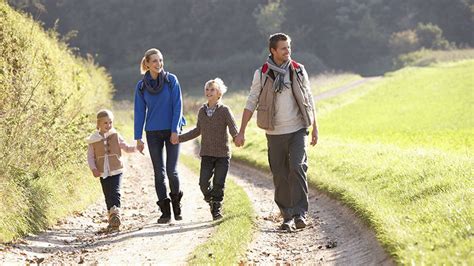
(110, 148)
(266, 100)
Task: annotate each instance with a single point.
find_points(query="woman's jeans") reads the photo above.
(156, 141)
(111, 189)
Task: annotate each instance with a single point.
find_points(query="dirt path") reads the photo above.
(78, 239)
(345, 88)
(335, 235)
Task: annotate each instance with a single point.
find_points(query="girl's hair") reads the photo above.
(146, 57)
(102, 114)
(220, 84)
(105, 113)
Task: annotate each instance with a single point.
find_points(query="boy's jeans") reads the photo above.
(156, 141)
(111, 189)
(217, 166)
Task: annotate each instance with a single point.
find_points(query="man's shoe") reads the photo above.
(216, 210)
(300, 222)
(287, 225)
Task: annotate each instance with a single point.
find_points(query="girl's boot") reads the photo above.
(176, 202)
(114, 218)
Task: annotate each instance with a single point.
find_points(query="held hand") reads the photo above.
(239, 140)
(140, 146)
(314, 137)
(95, 173)
(174, 139)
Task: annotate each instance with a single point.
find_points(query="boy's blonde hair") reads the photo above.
(220, 84)
(146, 57)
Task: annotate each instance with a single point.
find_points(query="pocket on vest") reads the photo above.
(263, 117)
(114, 162)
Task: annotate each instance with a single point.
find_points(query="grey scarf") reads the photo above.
(155, 87)
(282, 75)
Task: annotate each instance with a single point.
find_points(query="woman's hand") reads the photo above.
(174, 139)
(140, 146)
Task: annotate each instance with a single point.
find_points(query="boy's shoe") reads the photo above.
(300, 222)
(287, 225)
(216, 210)
(114, 218)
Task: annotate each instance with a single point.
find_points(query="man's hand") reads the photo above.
(95, 173)
(140, 146)
(239, 140)
(314, 136)
(174, 139)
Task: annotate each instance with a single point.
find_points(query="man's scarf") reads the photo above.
(282, 75)
(158, 86)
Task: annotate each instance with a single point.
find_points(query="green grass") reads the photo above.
(228, 243)
(329, 81)
(429, 107)
(397, 152)
(425, 57)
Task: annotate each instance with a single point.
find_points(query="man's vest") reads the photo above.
(108, 147)
(267, 97)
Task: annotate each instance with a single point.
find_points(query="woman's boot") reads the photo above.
(165, 211)
(176, 202)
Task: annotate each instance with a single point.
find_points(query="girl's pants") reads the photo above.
(111, 189)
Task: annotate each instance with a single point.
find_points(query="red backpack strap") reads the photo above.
(265, 68)
(295, 64)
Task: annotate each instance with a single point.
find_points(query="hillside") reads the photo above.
(48, 99)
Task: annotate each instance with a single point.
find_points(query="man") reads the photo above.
(281, 94)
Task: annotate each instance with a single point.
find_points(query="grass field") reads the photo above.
(398, 153)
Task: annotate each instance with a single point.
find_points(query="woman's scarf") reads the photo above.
(282, 75)
(158, 85)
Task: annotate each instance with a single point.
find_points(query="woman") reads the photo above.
(158, 106)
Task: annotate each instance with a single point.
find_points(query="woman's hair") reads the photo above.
(220, 84)
(146, 57)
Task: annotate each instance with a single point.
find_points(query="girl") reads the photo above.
(158, 106)
(213, 120)
(103, 156)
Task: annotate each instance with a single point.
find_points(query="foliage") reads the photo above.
(46, 96)
(351, 35)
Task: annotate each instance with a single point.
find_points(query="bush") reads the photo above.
(46, 96)
(403, 42)
(431, 37)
